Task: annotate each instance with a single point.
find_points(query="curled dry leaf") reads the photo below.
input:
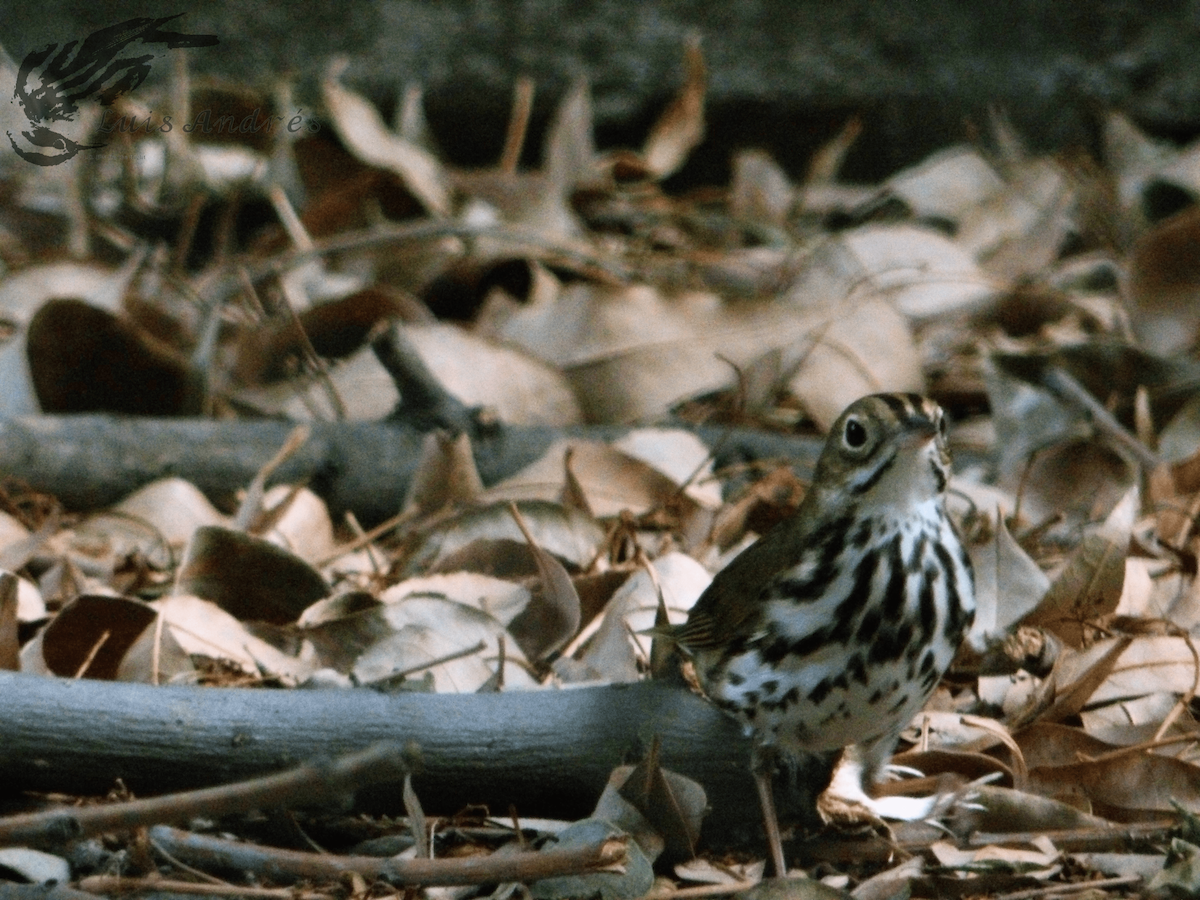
(672, 803)
(361, 127)
(520, 390)
(947, 184)
(612, 481)
(202, 628)
(681, 126)
(1008, 585)
(299, 522)
(920, 271)
(1004, 809)
(425, 631)
(173, 507)
(568, 534)
(1089, 586)
(1164, 283)
(363, 388)
(106, 637)
(1127, 786)
(445, 475)
(553, 615)
(250, 578)
(864, 351)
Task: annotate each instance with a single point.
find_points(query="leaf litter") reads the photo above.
(1055, 319)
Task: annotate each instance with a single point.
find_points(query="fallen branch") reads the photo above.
(549, 753)
(288, 866)
(92, 461)
(312, 783)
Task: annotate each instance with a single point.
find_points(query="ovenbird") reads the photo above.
(834, 628)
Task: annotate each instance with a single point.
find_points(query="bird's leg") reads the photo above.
(762, 764)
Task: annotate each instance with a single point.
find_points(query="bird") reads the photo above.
(832, 630)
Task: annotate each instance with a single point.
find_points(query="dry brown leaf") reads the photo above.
(202, 628)
(105, 637)
(10, 647)
(361, 128)
(1073, 681)
(173, 507)
(1164, 283)
(673, 804)
(1127, 788)
(1089, 586)
(519, 389)
(1004, 809)
(681, 126)
(445, 474)
(865, 351)
(1008, 584)
(553, 615)
(364, 392)
(250, 578)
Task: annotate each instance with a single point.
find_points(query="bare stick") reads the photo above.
(291, 865)
(310, 783)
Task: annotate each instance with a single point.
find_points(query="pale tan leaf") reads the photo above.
(303, 524)
(1149, 665)
(1089, 586)
(681, 126)
(201, 627)
(567, 533)
(521, 390)
(552, 617)
(761, 191)
(1133, 721)
(866, 351)
(947, 184)
(10, 646)
(610, 481)
(502, 600)
(1076, 676)
(922, 272)
(173, 507)
(569, 154)
(445, 474)
(1008, 584)
(362, 129)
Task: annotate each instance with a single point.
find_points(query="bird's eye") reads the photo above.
(855, 434)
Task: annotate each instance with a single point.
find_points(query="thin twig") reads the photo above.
(116, 884)
(703, 890)
(1074, 887)
(292, 865)
(518, 125)
(1064, 386)
(311, 783)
